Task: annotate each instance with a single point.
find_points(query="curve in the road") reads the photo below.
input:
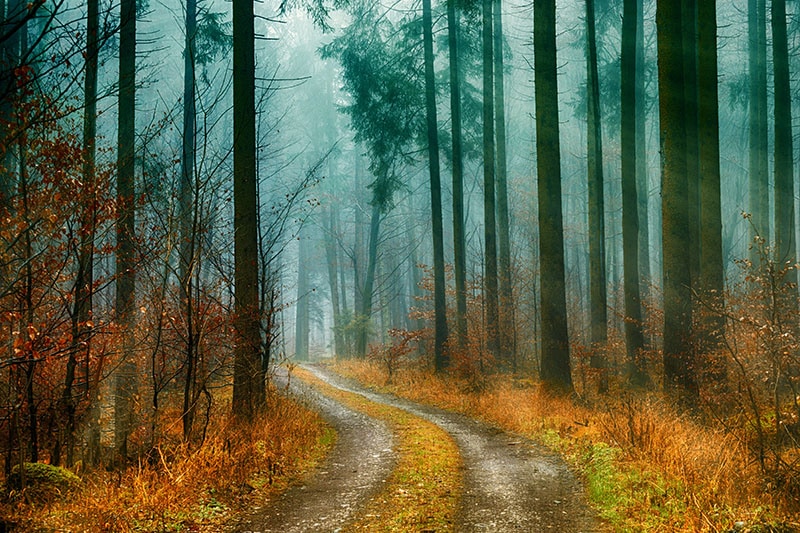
(511, 483)
(354, 471)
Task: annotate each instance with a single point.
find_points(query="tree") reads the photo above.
(712, 264)
(758, 165)
(382, 76)
(126, 223)
(367, 290)
(691, 127)
(506, 295)
(302, 324)
(459, 239)
(84, 277)
(679, 365)
(247, 386)
(642, 180)
(441, 358)
(489, 205)
(785, 246)
(634, 339)
(332, 262)
(597, 237)
(556, 371)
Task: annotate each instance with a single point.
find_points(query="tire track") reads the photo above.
(511, 483)
(354, 471)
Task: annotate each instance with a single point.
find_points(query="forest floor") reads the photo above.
(468, 477)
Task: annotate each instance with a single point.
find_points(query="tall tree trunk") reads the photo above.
(247, 353)
(758, 138)
(369, 282)
(634, 339)
(597, 233)
(332, 261)
(29, 364)
(642, 180)
(506, 309)
(84, 279)
(188, 214)
(785, 246)
(302, 324)
(347, 337)
(459, 239)
(441, 358)
(712, 265)
(556, 370)
(126, 224)
(359, 256)
(689, 36)
(7, 65)
(414, 270)
(489, 223)
(679, 365)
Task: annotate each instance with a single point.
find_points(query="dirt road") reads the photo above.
(511, 484)
(351, 474)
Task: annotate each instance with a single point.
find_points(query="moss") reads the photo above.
(41, 481)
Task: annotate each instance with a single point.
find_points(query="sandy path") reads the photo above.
(511, 483)
(353, 472)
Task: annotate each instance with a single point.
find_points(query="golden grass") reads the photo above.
(181, 489)
(645, 467)
(423, 491)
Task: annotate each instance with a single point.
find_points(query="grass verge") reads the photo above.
(180, 489)
(423, 491)
(646, 469)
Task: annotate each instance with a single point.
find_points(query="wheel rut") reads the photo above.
(511, 483)
(352, 473)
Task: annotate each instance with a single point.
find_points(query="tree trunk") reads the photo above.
(758, 137)
(358, 238)
(369, 282)
(679, 364)
(29, 364)
(188, 218)
(489, 224)
(597, 233)
(634, 339)
(7, 65)
(642, 180)
(302, 325)
(459, 239)
(689, 37)
(84, 278)
(126, 224)
(785, 247)
(440, 356)
(332, 261)
(556, 370)
(414, 271)
(506, 308)
(247, 353)
(712, 265)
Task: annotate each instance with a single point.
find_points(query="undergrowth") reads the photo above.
(645, 467)
(182, 489)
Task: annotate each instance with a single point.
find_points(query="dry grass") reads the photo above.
(645, 467)
(180, 489)
(423, 491)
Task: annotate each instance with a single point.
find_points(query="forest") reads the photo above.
(573, 221)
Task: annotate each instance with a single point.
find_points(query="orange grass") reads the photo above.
(180, 489)
(645, 467)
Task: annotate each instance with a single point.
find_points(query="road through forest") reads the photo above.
(510, 483)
